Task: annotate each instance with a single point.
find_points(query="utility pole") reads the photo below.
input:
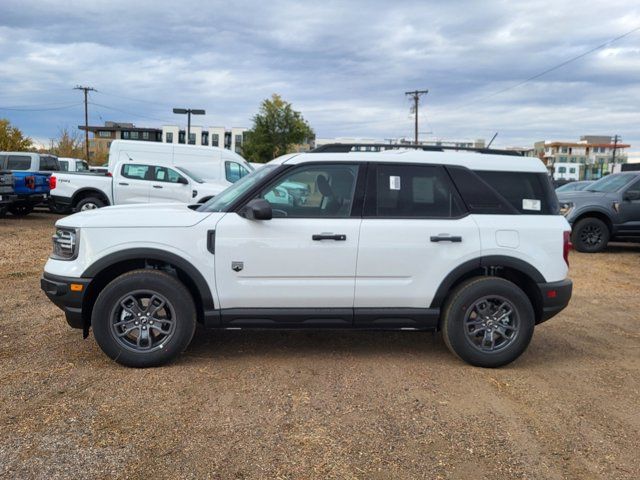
(415, 95)
(86, 118)
(615, 146)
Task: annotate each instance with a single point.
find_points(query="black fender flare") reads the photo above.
(159, 255)
(491, 260)
(99, 193)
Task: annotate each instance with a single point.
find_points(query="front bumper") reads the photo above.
(69, 300)
(555, 297)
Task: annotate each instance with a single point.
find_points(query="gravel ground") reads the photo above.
(298, 405)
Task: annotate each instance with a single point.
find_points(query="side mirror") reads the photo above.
(257, 209)
(632, 195)
(183, 181)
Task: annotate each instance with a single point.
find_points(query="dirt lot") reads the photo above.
(303, 405)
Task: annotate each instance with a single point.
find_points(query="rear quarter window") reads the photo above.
(18, 162)
(529, 193)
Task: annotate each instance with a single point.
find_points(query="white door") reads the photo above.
(303, 258)
(413, 234)
(132, 184)
(166, 186)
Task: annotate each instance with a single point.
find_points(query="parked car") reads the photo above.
(141, 172)
(73, 165)
(574, 186)
(31, 179)
(606, 210)
(466, 243)
(7, 196)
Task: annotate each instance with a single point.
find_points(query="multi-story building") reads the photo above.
(212, 136)
(587, 159)
(110, 131)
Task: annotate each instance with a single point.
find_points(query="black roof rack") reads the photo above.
(380, 147)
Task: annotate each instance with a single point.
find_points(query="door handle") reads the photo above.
(329, 236)
(123, 184)
(446, 238)
(157, 186)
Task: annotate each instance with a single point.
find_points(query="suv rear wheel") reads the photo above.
(144, 318)
(488, 321)
(590, 235)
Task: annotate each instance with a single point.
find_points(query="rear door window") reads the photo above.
(135, 172)
(411, 191)
(49, 164)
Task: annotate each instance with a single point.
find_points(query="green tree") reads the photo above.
(276, 129)
(68, 144)
(12, 139)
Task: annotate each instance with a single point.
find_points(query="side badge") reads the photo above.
(237, 266)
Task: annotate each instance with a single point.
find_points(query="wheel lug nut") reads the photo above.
(135, 323)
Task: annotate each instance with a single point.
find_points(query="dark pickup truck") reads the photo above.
(607, 210)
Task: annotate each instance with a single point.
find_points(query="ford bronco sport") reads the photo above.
(468, 243)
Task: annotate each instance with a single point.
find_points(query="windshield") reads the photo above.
(221, 202)
(191, 173)
(611, 183)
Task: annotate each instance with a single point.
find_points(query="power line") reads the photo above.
(29, 109)
(551, 69)
(163, 105)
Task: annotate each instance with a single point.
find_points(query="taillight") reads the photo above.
(30, 182)
(566, 246)
(53, 181)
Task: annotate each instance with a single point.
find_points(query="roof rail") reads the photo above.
(380, 147)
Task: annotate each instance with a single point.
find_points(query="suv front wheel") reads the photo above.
(488, 321)
(144, 318)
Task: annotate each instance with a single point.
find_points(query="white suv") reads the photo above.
(468, 243)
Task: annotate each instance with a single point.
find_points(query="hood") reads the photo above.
(147, 215)
(579, 196)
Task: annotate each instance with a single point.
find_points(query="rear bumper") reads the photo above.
(62, 201)
(33, 199)
(555, 297)
(58, 290)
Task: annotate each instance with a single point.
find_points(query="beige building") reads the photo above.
(105, 134)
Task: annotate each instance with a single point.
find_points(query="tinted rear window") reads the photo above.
(18, 162)
(49, 164)
(529, 193)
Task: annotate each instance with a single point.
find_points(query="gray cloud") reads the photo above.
(345, 65)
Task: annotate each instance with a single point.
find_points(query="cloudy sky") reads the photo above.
(344, 65)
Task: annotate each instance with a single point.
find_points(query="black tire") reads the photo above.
(20, 209)
(89, 203)
(590, 235)
(461, 337)
(161, 345)
(59, 209)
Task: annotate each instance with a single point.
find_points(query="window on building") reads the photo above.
(564, 150)
(125, 135)
(145, 135)
(134, 136)
(215, 140)
(238, 139)
(181, 136)
(204, 140)
(104, 134)
(562, 169)
(192, 139)
(169, 136)
(563, 159)
(572, 170)
(411, 191)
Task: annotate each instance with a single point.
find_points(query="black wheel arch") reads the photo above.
(88, 192)
(111, 266)
(599, 214)
(517, 271)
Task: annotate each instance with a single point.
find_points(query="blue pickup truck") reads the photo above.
(31, 179)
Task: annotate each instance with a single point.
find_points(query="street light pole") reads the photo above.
(189, 112)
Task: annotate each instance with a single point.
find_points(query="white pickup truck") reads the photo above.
(141, 172)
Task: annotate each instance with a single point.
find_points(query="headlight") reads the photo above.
(565, 208)
(65, 244)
